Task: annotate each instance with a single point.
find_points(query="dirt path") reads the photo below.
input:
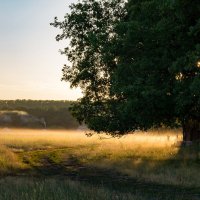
(111, 179)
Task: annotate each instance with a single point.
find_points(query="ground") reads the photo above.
(61, 164)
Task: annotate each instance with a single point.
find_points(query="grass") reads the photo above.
(22, 188)
(139, 166)
(55, 189)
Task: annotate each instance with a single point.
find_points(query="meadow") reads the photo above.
(64, 164)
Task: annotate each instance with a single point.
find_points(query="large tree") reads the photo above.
(159, 73)
(137, 64)
(90, 28)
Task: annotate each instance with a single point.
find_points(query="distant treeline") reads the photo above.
(36, 114)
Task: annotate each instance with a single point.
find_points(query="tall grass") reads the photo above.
(150, 157)
(55, 189)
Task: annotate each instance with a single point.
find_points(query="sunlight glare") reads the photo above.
(198, 64)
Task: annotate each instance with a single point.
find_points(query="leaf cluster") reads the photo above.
(136, 62)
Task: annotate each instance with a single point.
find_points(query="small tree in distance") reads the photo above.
(138, 64)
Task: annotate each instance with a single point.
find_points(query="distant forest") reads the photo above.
(36, 114)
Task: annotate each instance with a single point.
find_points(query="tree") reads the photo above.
(90, 28)
(137, 63)
(159, 65)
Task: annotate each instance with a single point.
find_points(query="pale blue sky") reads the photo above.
(30, 64)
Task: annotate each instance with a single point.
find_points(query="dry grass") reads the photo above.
(27, 139)
(9, 161)
(42, 139)
(148, 157)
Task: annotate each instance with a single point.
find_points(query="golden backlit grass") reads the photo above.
(150, 157)
(27, 139)
(43, 139)
(9, 161)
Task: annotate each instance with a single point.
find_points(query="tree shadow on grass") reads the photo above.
(114, 180)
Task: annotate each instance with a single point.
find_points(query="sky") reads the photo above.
(30, 62)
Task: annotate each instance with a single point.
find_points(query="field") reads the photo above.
(61, 164)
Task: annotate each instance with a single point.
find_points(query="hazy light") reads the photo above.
(179, 76)
(198, 64)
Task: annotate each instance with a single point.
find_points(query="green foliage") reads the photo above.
(36, 114)
(136, 63)
(90, 27)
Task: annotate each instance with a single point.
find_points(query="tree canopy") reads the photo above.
(137, 63)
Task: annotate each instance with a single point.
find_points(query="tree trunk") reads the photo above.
(191, 131)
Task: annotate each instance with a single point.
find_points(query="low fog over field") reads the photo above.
(47, 138)
(149, 157)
